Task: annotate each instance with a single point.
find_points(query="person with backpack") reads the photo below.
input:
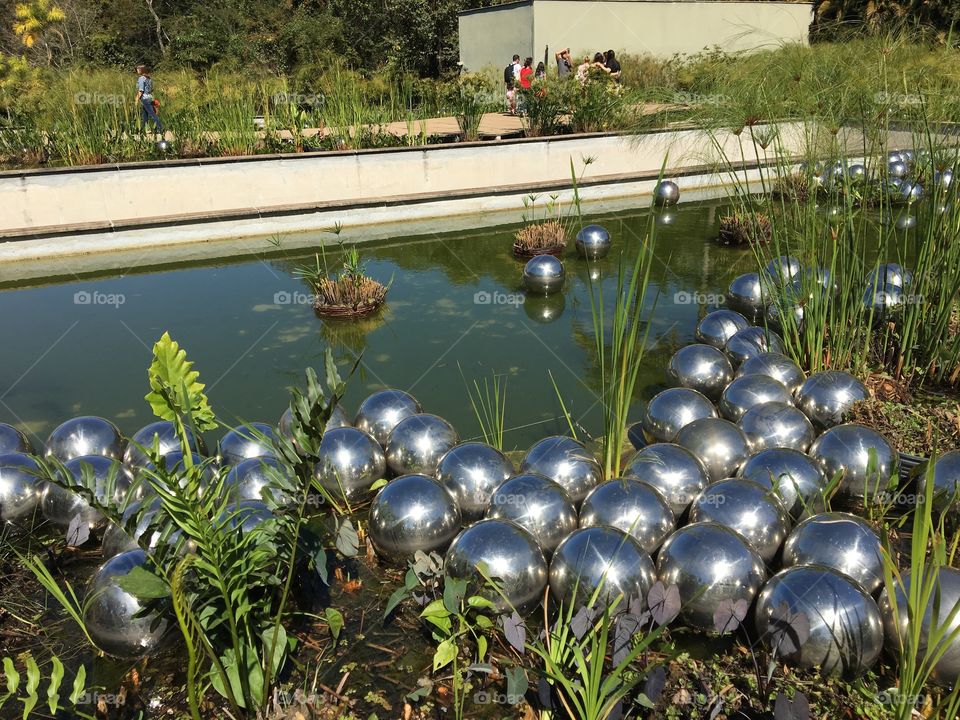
(511, 76)
(148, 104)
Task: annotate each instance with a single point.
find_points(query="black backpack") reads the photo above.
(508, 76)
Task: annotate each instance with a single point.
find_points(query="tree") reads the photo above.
(34, 19)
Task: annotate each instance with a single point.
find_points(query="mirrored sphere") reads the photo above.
(666, 193)
(116, 540)
(857, 172)
(890, 274)
(783, 270)
(242, 444)
(537, 504)
(703, 368)
(776, 425)
(840, 541)
(565, 461)
(247, 514)
(349, 461)
(20, 487)
(633, 507)
(13, 441)
(719, 444)
(946, 481)
(110, 485)
(109, 611)
(711, 565)
(749, 294)
(509, 554)
(719, 326)
(848, 449)
(826, 397)
(787, 313)
(672, 470)
(605, 558)
(751, 342)
(881, 300)
(471, 472)
(543, 275)
(81, 436)
(593, 242)
(418, 442)
(164, 434)
(670, 411)
(846, 631)
(748, 391)
(410, 513)
(897, 169)
(777, 366)
(796, 478)
(380, 413)
(251, 479)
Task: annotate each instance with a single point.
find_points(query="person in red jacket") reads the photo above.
(526, 73)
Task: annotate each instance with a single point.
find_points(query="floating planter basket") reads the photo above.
(348, 296)
(745, 229)
(546, 238)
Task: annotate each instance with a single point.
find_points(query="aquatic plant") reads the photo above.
(745, 228)
(346, 290)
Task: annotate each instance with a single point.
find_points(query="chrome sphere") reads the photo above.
(905, 221)
(242, 444)
(247, 514)
(538, 505)
(703, 368)
(349, 461)
(777, 366)
(911, 192)
(507, 553)
(748, 391)
(471, 472)
(380, 413)
(825, 397)
(418, 442)
(776, 425)
(749, 294)
(846, 630)
(543, 275)
(719, 444)
(719, 326)
(857, 172)
(783, 270)
(632, 506)
(672, 470)
(666, 193)
(82, 436)
(847, 448)
(603, 558)
(252, 479)
(943, 179)
(897, 169)
(593, 242)
(796, 479)
(890, 274)
(751, 342)
(672, 410)
(943, 599)
(410, 513)
(946, 481)
(109, 611)
(788, 308)
(20, 487)
(164, 435)
(13, 441)
(110, 485)
(843, 542)
(749, 509)
(894, 156)
(881, 300)
(566, 462)
(115, 538)
(711, 565)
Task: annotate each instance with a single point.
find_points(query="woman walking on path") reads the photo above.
(145, 99)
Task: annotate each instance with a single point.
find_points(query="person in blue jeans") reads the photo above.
(145, 99)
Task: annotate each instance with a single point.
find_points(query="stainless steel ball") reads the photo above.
(845, 628)
(783, 270)
(911, 192)
(749, 294)
(748, 391)
(943, 178)
(796, 478)
(719, 444)
(116, 540)
(418, 442)
(247, 515)
(894, 156)
(879, 301)
(566, 462)
(712, 566)
(890, 274)
(508, 554)
(634, 507)
(259, 478)
(593, 242)
(163, 434)
(410, 513)
(865, 457)
(242, 444)
(543, 275)
(946, 481)
(719, 326)
(776, 425)
(777, 366)
(749, 509)
(750, 342)
(380, 413)
(786, 314)
(672, 470)
(670, 411)
(20, 487)
(840, 541)
(857, 173)
(537, 504)
(471, 472)
(703, 368)
(13, 441)
(109, 482)
(601, 560)
(905, 221)
(109, 611)
(666, 193)
(826, 397)
(86, 435)
(348, 462)
(897, 169)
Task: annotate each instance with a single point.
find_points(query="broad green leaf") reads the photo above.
(445, 654)
(435, 609)
(79, 685)
(378, 484)
(348, 541)
(175, 391)
(477, 601)
(481, 647)
(483, 622)
(53, 689)
(453, 591)
(517, 684)
(278, 645)
(335, 621)
(33, 682)
(398, 596)
(143, 584)
(442, 621)
(13, 677)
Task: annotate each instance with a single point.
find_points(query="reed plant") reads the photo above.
(489, 403)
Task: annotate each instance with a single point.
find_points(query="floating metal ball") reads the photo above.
(890, 274)
(593, 242)
(905, 221)
(13, 441)
(894, 156)
(826, 397)
(719, 444)
(537, 504)
(508, 554)
(109, 482)
(380, 413)
(881, 300)
(908, 156)
(566, 462)
(410, 513)
(946, 481)
(749, 294)
(601, 560)
(20, 487)
(911, 192)
(672, 470)
(632, 506)
(712, 566)
(719, 326)
(848, 448)
(109, 610)
(703, 368)
(776, 425)
(251, 479)
(242, 444)
(845, 628)
(86, 435)
(471, 472)
(943, 179)
(666, 193)
(897, 169)
(670, 411)
(843, 542)
(777, 366)
(783, 270)
(162, 433)
(748, 391)
(418, 442)
(787, 313)
(751, 342)
(543, 275)
(348, 462)
(796, 478)
(857, 173)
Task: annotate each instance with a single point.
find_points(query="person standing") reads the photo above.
(564, 63)
(511, 77)
(146, 100)
(612, 64)
(526, 73)
(541, 72)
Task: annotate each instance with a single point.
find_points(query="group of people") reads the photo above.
(605, 62)
(521, 76)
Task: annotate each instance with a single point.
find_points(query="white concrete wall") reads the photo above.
(491, 36)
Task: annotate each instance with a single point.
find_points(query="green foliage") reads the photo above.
(52, 698)
(175, 391)
(489, 404)
(475, 95)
